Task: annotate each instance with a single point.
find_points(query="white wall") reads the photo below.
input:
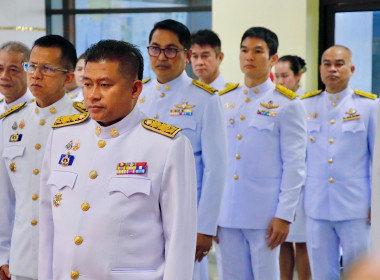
(294, 21)
(30, 13)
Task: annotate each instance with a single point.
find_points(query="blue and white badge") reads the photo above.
(15, 137)
(66, 159)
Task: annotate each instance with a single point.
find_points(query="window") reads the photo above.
(85, 22)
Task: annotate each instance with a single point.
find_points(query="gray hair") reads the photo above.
(16, 47)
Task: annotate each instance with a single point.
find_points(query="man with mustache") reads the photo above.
(192, 105)
(12, 76)
(25, 129)
(266, 163)
(341, 135)
(117, 190)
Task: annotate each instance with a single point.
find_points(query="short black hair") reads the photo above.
(207, 37)
(177, 28)
(129, 56)
(68, 52)
(297, 64)
(264, 34)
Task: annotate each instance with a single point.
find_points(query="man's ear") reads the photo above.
(221, 56)
(273, 60)
(69, 78)
(136, 89)
(188, 55)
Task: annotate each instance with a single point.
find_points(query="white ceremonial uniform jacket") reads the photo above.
(76, 94)
(27, 97)
(98, 223)
(341, 135)
(219, 83)
(375, 205)
(266, 156)
(206, 130)
(20, 167)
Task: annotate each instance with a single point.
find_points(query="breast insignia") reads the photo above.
(145, 80)
(205, 86)
(365, 94)
(161, 128)
(310, 94)
(229, 87)
(80, 106)
(13, 109)
(287, 92)
(70, 120)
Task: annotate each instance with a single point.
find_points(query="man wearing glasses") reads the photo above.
(25, 130)
(176, 99)
(12, 77)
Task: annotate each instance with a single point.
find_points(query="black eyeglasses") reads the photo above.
(45, 69)
(168, 52)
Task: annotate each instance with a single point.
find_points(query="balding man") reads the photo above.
(341, 134)
(12, 77)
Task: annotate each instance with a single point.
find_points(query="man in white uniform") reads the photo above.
(12, 75)
(266, 164)
(341, 136)
(25, 129)
(117, 190)
(206, 57)
(192, 105)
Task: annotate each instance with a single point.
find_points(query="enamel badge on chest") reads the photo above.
(269, 105)
(352, 115)
(15, 137)
(131, 168)
(184, 109)
(57, 199)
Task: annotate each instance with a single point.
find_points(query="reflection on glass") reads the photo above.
(364, 41)
(133, 28)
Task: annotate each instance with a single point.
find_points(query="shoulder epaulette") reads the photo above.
(145, 80)
(80, 106)
(365, 94)
(13, 109)
(161, 128)
(310, 94)
(70, 120)
(205, 86)
(285, 91)
(1, 99)
(229, 87)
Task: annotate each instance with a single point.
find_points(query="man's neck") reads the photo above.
(335, 89)
(209, 80)
(13, 98)
(45, 102)
(254, 82)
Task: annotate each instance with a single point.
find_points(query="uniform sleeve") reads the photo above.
(46, 234)
(375, 205)
(372, 127)
(7, 205)
(293, 135)
(214, 159)
(178, 202)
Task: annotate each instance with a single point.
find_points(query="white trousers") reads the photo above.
(201, 270)
(323, 241)
(245, 255)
